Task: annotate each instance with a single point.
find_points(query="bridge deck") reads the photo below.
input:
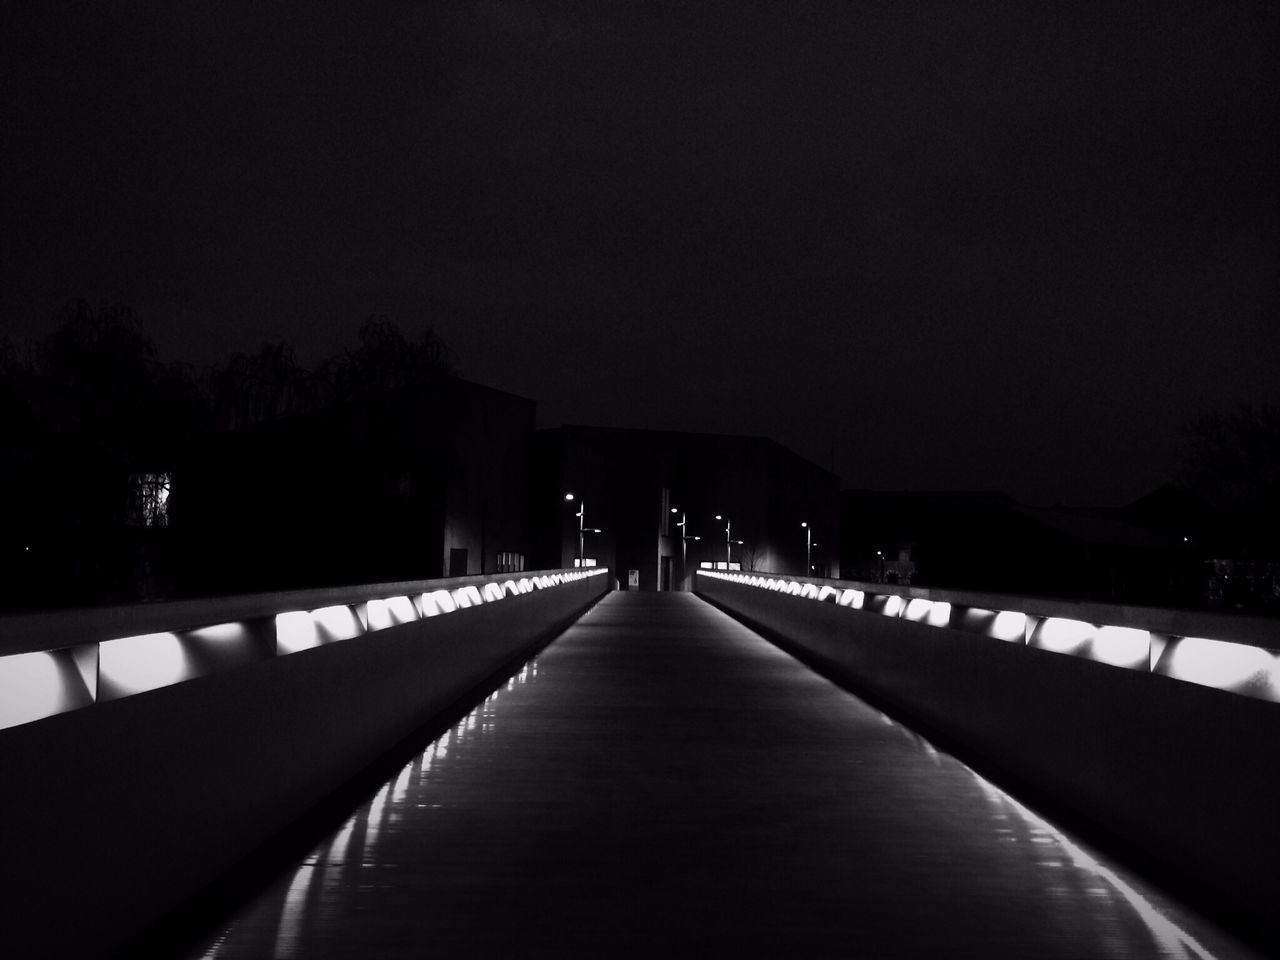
(661, 781)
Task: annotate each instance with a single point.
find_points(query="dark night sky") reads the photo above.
(987, 244)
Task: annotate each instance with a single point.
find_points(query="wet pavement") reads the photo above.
(661, 781)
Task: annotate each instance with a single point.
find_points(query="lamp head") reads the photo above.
(568, 496)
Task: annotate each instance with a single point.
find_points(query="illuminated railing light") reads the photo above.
(1010, 626)
(939, 614)
(295, 630)
(402, 609)
(492, 591)
(378, 614)
(1122, 647)
(437, 602)
(917, 609)
(38, 685)
(1236, 667)
(467, 596)
(525, 585)
(1063, 635)
(853, 598)
(337, 622)
(147, 661)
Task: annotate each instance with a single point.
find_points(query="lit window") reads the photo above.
(149, 499)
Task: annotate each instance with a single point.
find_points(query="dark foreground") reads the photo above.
(661, 781)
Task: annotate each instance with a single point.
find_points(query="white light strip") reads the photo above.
(1238, 668)
(40, 684)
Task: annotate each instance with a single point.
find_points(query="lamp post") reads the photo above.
(728, 540)
(880, 554)
(683, 524)
(583, 529)
(808, 546)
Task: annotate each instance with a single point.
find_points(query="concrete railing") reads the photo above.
(1239, 655)
(1152, 730)
(146, 750)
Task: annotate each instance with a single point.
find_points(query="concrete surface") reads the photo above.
(660, 781)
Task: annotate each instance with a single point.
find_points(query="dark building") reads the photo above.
(431, 484)
(987, 541)
(654, 498)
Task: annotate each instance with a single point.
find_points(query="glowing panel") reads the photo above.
(402, 609)
(437, 602)
(1062, 635)
(467, 596)
(295, 631)
(34, 686)
(524, 586)
(917, 609)
(892, 605)
(853, 598)
(828, 594)
(220, 633)
(809, 591)
(793, 589)
(1122, 647)
(1226, 666)
(939, 614)
(336, 623)
(379, 615)
(492, 591)
(1009, 625)
(145, 662)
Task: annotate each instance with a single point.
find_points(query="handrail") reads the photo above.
(1238, 655)
(64, 660)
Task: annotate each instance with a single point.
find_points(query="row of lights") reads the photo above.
(729, 542)
(1239, 668)
(43, 683)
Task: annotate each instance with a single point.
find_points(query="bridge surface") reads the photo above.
(661, 781)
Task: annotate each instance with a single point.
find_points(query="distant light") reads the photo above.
(674, 510)
(695, 538)
(802, 523)
(1184, 540)
(718, 517)
(568, 496)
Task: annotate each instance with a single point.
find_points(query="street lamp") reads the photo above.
(728, 540)
(582, 528)
(808, 547)
(683, 524)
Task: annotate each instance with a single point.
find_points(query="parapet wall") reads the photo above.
(117, 811)
(1176, 774)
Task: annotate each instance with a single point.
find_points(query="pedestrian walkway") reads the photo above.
(661, 781)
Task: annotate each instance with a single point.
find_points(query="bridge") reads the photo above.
(539, 765)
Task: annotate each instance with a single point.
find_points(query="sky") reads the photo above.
(990, 245)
